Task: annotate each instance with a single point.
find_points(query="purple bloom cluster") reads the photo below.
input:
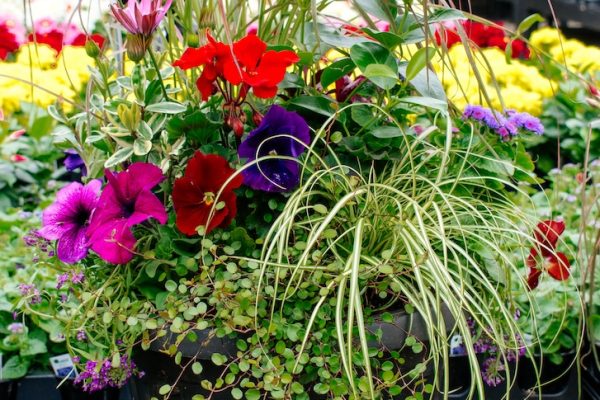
(81, 335)
(505, 125)
(34, 238)
(98, 376)
(30, 291)
(491, 371)
(74, 277)
(493, 366)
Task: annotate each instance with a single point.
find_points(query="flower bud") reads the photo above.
(236, 124)
(192, 40)
(136, 47)
(91, 48)
(257, 118)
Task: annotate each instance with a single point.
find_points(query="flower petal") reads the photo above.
(558, 266)
(73, 245)
(147, 205)
(114, 242)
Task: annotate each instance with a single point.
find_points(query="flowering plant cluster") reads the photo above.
(284, 190)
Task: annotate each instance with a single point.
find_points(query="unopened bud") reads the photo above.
(236, 124)
(91, 48)
(257, 118)
(136, 47)
(192, 40)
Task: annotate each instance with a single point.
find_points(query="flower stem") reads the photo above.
(155, 64)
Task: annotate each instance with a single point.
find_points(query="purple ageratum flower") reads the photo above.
(478, 113)
(29, 290)
(141, 17)
(74, 161)
(280, 133)
(127, 200)
(61, 280)
(526, 121)
(66, 220)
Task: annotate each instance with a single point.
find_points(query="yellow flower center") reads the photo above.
(209, 198)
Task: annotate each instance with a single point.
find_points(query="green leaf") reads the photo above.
(418, 62)
(218, 359)
(33, 347)
(528, 23)
(252, 394)
(595, 325)
(196, 127)
(167, 107)
(386, 132)
(171, 286)
(445, 14)
(15, 368)
(369, 53)
(426, 102)
(426, 82)
(164, 389)
(41, 127)
(197, 368)
(145, 131)
(336, 70)
(383, 74)
(319, 105)
(379, 9)
(237, 393)
(119, 157)
(141, 147)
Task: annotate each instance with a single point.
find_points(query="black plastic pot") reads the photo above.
(68, 391)
(43, 386)
(554, 378)
(8, 390)
(160, 369)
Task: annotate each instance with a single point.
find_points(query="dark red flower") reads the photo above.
(195, 193)
(556, 263)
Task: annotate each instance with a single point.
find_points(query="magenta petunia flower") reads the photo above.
(127, 200)
(141, 17)
(66, 220)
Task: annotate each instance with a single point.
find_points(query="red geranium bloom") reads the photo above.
(246, 62)
(211, 56)
(556, 263)
(260, 69)
(195, 193)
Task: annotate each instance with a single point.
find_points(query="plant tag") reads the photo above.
(63, 366)
(456, 345)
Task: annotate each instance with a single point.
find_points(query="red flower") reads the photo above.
(8, 42)
(80, 40)
(211, 56)
(247, 62)
(556, 263)
(53, 39)
(195, 193)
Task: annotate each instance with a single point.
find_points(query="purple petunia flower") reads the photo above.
(74, 161)
(127, 200)
(280, 133)
(66, 220)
